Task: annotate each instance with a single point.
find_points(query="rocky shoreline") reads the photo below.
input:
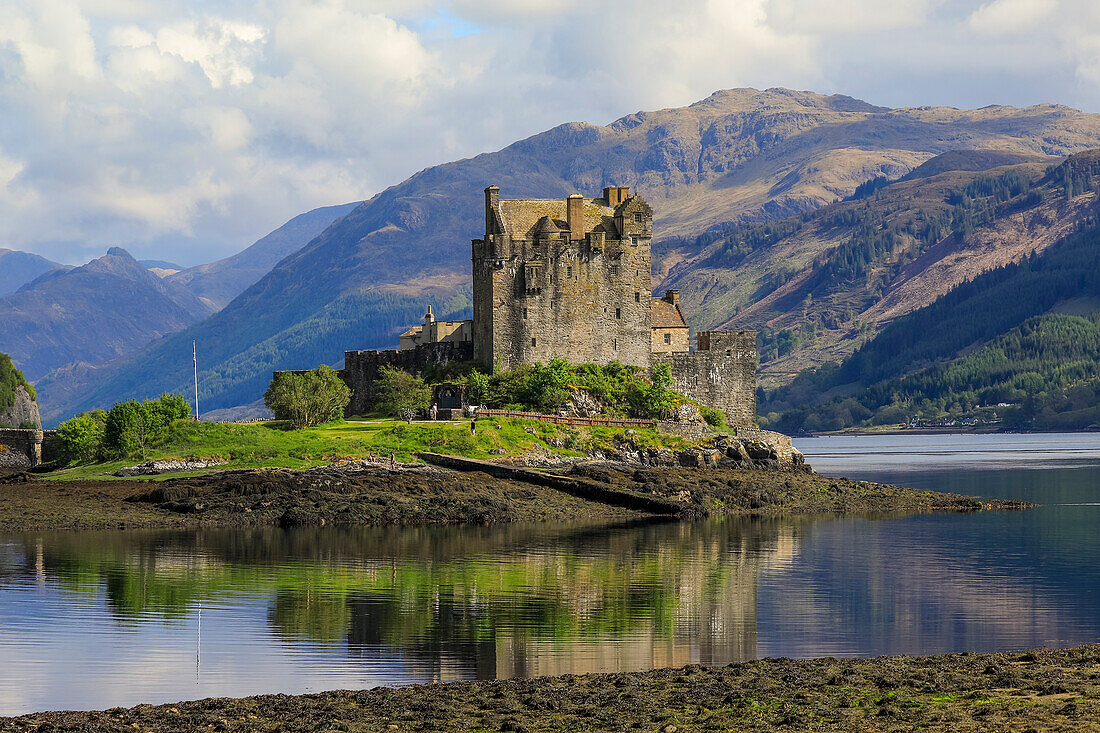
(360, 493)
(1051, 690)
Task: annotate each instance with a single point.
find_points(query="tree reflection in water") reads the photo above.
(492, 601)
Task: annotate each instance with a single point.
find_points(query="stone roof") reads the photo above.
(663, 314)
(415, 330)
(521, 216)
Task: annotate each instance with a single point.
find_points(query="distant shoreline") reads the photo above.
(938, 431)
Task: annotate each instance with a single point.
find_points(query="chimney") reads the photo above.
(615, 195)
(673, 296)
(574, 215)
(492, 201)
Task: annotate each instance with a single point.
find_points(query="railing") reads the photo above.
(559, 419)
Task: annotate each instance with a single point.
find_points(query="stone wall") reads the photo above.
(361, 367)
(720, 374)
(553, 294)
(20, 449)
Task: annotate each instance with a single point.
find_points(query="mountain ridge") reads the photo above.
(738, 155)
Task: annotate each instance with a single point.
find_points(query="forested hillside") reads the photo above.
(1025, 335)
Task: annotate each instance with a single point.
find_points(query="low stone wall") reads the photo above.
(683, 428)
(20, 449)
(361, 367)
(720, 373)
(615, 422)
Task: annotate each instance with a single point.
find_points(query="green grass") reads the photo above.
(272, 444)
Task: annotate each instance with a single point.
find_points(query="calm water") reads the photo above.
(93, 620)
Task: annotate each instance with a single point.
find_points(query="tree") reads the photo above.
(308, 398)
(477, 388)
(398, 390)
(131, 427)
(81, 437)
(657, 398)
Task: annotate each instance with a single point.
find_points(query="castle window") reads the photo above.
(618, 312)
(532, 341)
(524, 312)
(615, 344)
(637, 297)
(668, 338)
(638, 216)
(569, 272)
(614, 269)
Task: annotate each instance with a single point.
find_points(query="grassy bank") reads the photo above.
(273, 444)
(1041, 690)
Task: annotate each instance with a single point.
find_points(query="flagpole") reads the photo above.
(195, 358)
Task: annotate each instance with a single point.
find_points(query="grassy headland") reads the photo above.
(272, 444)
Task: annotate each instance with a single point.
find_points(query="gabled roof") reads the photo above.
(521, 216)
(663, 314)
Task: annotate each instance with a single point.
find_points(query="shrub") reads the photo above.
(398, 391)
(477, 388)
(131, 428)
(80, 438)
(312, 398)
(715, 418)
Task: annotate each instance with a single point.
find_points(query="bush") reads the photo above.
(398, 391)
(131, 427)
(311, 398)
(477, 388)
(80, 438)
(715, 418)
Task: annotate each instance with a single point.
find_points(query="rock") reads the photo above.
(797, 457)
(688, 412)
(758, 450)
(22, 413)
(736, 452)
(690, 458)
(151, 468)
(582, 404)
(497, 452)
(711, 458)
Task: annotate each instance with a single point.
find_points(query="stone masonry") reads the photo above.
(720, 373)
(563, 277)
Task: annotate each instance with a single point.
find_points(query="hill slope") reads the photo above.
(217, 283)
(93, 313)
(818, 285)
(739, 154)
(19, 268)
(1026, 334)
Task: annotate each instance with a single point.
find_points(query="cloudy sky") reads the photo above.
(185, 129)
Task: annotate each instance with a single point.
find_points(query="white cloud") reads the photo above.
(1011, 16)
(225, 50)
(187, 129)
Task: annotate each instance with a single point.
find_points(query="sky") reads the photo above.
(184, 130)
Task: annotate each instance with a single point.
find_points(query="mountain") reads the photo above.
(1022, 341)
(817, 286)
(93, 313)
(19, 268)
(737, 156)
(217, 283)
(160, 268)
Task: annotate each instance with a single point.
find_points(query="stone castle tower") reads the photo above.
(563, 277)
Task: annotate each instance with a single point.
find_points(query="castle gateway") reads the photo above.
(570, 277)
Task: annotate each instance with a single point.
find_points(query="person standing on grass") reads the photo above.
(434, 411)
(473, 427)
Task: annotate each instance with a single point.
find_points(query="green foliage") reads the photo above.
(130, 428)
(397, 390)
(81, 438)
(10, 380)
(310, 398)
(657, 398)
(621, 390)
(477, 387)
(715, 418)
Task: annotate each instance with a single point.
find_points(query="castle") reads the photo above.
(571, 278)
